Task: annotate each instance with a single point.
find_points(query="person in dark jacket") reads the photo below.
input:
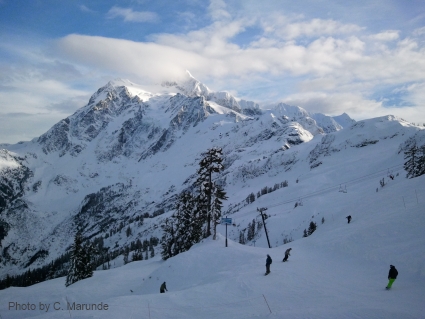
(268, 263)
(348, 218)
(392, 275)
(163, 288)
(287, 254)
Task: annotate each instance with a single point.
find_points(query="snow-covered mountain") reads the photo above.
(130, 151)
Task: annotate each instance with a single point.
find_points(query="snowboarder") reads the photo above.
(268, 263)
(392, 275)
(163, 288)
(348, 218)
(287, 254)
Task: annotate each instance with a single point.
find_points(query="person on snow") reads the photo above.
(287, 254)
(392, 275)
(348, 218)
(163, 288)
(268, 263)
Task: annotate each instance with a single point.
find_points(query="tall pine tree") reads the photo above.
(184, 228)
(217, 203)
(210, 163)
(411, 157)
(420, 167)
(168, 238)
(80, 263)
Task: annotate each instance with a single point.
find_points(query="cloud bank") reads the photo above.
(322, 64)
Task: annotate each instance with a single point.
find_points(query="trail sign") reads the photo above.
(226, 221)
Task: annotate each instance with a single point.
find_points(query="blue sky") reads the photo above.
(365, 58)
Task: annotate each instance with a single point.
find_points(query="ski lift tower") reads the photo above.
(264, 223)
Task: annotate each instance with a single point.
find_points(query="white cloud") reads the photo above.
(290, 28)
(323, 65)
(85, 9)
(355, 105)
(419, 31)
(389, 35)
(209, 52)
(336, 103)
(217, 10)
(132, 16)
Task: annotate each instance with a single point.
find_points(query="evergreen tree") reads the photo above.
(311, 228)
(305, 233)
(88, 251)
(191, 220)
(411, 157)
(128, 231)
(242, 238)
(253, 226)
(218, 196)
(168, 238)
(420, 168)
(252, 197)
(80, 263)
(184, 228)
(249, 235)
(210, 163)
(251, 230)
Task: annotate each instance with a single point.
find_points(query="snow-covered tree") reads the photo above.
(312, 228)
(420, 168)
(80, 263)
(168, 238)
(184, 228)
(210, 163)
(242, 238)
(251, 230)
(217, 203)
(411, 156)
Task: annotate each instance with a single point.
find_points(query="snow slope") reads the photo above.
(340, 271)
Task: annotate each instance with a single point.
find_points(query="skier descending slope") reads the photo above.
(163, 288)
(268, 263)
(287, 254)
(392, 275)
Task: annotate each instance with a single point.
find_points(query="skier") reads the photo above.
(163, 288)
(348, 218)
(268, 263)
(392, 275)
(287, 254)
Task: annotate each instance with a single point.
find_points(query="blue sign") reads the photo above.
(226, 221)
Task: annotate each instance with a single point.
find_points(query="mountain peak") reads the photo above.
(188, 85)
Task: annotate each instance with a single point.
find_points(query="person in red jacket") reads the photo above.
(392, 275)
